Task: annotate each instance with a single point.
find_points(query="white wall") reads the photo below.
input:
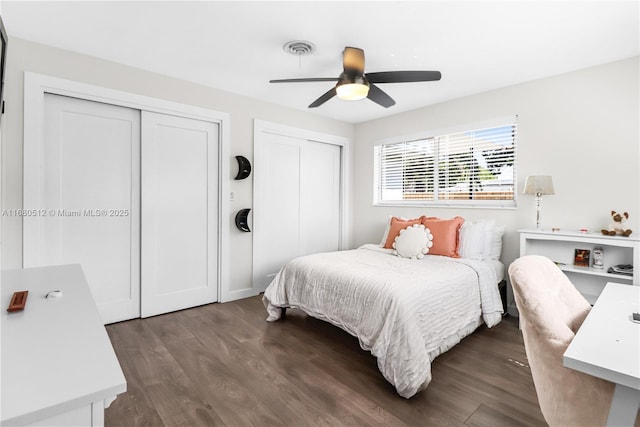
(28, 56)
(582, 128)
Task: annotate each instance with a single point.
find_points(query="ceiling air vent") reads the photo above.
(299, 47)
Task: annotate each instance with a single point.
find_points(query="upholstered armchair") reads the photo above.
(551, 312)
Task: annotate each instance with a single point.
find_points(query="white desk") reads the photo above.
(607, 346)
(58, 365)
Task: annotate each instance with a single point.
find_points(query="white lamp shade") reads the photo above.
(538, 185)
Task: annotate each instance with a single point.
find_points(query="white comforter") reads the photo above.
(406, 312)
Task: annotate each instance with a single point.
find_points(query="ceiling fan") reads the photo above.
(353, 84)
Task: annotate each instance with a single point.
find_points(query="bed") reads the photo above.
(404, 311)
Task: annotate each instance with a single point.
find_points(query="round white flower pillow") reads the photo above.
(413, 242)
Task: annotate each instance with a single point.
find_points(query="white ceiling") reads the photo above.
(237, 46)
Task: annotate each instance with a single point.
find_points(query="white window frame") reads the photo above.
(439, 133)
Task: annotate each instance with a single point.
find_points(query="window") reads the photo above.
(470, 168)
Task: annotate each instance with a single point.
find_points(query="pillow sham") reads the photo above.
(413, 242)
(481, 239)
(395, 225)
(445, 235)
(493, 242)
(472, 240)
(386, 232)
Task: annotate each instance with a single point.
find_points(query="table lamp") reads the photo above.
(538, 185)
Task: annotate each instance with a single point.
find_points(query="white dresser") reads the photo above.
(58, 365)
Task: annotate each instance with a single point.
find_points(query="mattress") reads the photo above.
(405, 312)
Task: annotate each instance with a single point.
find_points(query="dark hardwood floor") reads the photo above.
(223, 364)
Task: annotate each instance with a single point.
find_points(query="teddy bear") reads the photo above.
(617, 226)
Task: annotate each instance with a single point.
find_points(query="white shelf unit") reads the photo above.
(560, 247)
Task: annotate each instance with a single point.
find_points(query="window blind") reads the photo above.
(475, 167)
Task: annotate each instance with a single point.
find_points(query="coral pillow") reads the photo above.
(395, 226)
(413, 242)
(445, 235)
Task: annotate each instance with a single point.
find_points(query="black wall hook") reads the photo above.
(244, 167)
(241, 220)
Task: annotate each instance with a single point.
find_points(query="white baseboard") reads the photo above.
(231, 295)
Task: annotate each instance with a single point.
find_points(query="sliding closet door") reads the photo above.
(296, 202)
(276, 214)
(319, 197)
(179, 213)
(85, 200)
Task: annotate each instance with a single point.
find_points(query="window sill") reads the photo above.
(478, 205)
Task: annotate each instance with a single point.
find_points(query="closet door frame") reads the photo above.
(261, 128)
(35, 87)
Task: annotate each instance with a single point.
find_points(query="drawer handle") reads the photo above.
(18, 301)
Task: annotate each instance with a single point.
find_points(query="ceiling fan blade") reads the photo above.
(353, 59)
(324, 98)
(403, 76)
(311, 79)
(378, 96)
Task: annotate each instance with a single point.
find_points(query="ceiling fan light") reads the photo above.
(352, 91)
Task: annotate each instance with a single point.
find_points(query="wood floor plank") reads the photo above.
(219, 381)
(492, 395)
(308, 378)
(495, 369)
(486, 416)
(271, 383)
(153, 369)
(223, 364)
(134, 407)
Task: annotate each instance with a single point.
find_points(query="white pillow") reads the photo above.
(413, 242)
(472, 239)
(493, 242)
(386, 232)
(481, 239)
